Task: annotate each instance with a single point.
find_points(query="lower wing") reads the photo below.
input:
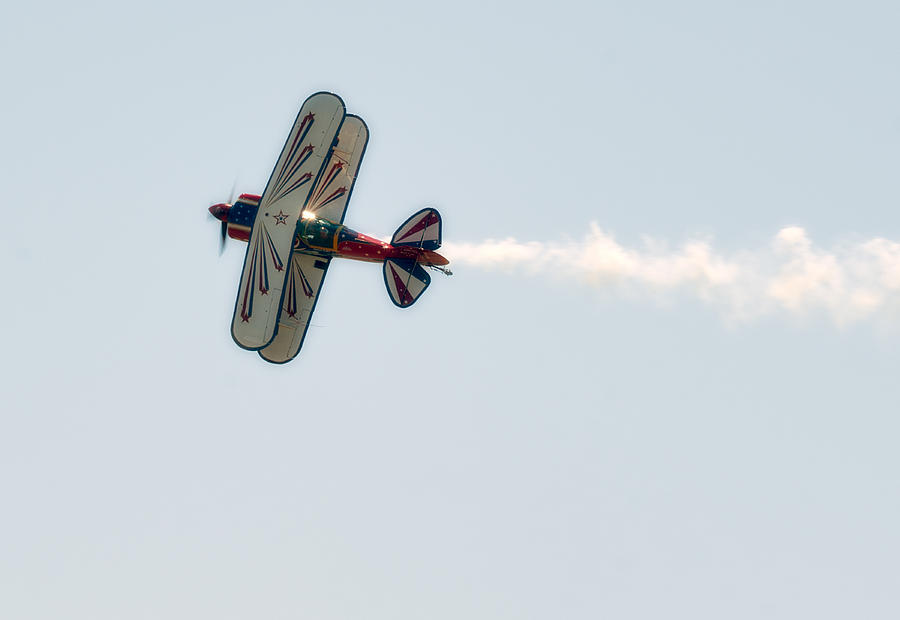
(304, 281)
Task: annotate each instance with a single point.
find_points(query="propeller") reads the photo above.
(223, 217)
(223, 236)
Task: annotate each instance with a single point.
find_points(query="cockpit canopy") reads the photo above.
(319, 233)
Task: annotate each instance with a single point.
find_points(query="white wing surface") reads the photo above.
(332, 193)
(304, 282)
(328, 200)
(269, 250)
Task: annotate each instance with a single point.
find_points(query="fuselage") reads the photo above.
(321, 237)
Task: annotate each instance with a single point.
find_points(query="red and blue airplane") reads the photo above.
(296, 227)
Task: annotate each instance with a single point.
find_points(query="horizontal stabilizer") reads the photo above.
(405, 280)
(421, 230)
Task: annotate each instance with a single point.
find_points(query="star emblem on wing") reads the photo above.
(280, 218)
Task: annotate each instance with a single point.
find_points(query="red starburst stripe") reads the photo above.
(291, 296)
(421, 225)
(305, 126)
(307, 287)
(332, 197)
(273, 251)
(304, 179)
(402, 291)
(329, 179)
(304, 155)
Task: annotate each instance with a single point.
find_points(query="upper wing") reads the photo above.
(301, 294)
(328, 200)
(332, 193)
(263, 278)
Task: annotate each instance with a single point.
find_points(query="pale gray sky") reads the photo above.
(516, 445)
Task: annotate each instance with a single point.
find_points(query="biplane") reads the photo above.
(296, 227)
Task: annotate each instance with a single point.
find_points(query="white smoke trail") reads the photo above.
(847, 283)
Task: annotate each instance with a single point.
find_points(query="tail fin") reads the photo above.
(405, 280)
(421, 230)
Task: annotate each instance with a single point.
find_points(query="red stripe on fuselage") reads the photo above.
(249, 198)
(241, 233)
(377, 253)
